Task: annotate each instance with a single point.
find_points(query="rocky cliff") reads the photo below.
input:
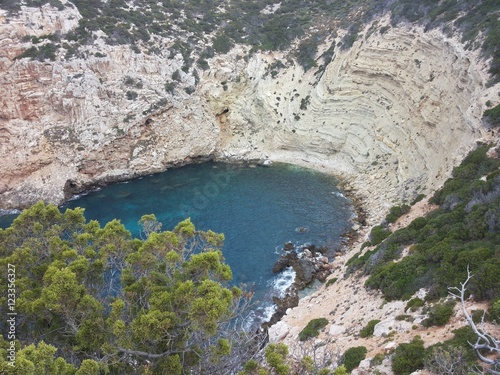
(392, 114)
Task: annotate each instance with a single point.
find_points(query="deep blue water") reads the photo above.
(258, 210)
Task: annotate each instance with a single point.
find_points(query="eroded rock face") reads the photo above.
(75, 123)
(393, 113)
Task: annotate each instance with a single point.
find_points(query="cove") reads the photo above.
(257, 208)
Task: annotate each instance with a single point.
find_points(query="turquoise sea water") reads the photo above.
(258, 210)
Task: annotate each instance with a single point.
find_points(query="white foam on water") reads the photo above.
(283, 281)
(338, 194)
(78, 196)
(268, 311)
(9, 212)
(258, 316)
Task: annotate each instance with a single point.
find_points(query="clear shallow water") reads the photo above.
(257, 209)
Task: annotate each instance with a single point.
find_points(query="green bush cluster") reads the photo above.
(245, 22)
(306, 53)
(41, 53)
(109, 303)
(222, 44)
(456, 350)
(352, 357)
(439, 314)
(131, 95)
(414, 304)
(494, 311)
(370, 327)
(493, 115)
(464, 231)
(408, 357)
(396, 212)
(312, 329)
(378, 234)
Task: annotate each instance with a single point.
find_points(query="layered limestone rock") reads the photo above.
(393, 113)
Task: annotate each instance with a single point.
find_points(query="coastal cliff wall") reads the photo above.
(392, 114)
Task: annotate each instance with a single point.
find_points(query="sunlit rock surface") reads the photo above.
(392, 114)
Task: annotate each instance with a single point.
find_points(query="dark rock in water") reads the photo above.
(307, 267)
(302, 229)
(287, 260)
(305, 271)
(290, 300)
(289, 246)
(311, 248)
(323, 250)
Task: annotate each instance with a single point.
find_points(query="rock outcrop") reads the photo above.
(392, 114)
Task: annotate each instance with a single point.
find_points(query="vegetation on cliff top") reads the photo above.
(460, 240)
(463, 231)
(261, 25)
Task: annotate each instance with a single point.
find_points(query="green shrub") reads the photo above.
(417, 199)
(176, 76)
(493, 115)
(377, 360)
(378, 234)
(439, 314)
(276, 355)
(461, 339)
(366, 244)
(170, 87)
(408, 357)
(312, 329)
(41, 53)
(440, 360)
(305, 102)
(202, 64)
(357, 261)
(306, 53)
(478, 315)
(222, 43)
(414, 304)
(368, 330)
(352, 357)
(406, 317)
(418, 223)
(396, 212)
(463, 231)
(384, 29)
(131, 95)
(494, 311)
(330, 282)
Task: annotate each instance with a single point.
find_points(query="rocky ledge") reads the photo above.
(309, 263)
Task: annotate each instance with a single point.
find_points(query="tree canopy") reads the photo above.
(92, 299)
